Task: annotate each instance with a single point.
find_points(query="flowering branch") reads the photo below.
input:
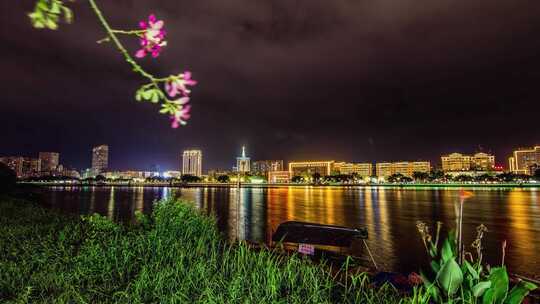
(151, 34)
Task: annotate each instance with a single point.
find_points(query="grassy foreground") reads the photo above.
(174, 256)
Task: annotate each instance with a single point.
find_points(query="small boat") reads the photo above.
(311, 233)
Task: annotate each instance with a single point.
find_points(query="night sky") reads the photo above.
(353, 80)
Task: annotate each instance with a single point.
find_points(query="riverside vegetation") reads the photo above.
(176, 255)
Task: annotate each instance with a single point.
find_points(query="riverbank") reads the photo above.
(175, 255)
(265, 185)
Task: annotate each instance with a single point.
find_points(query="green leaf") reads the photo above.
(519, 292)
(42, 5)
(446, 252)
(471, 270)
(138, 95)
(68, 14)
(499, 286)
(450, 277)
(38, 24)
(51, 24)
(55, 8)
(479, 289)
(146, 95)
(432, 251)
(155, 96)
(435, 266)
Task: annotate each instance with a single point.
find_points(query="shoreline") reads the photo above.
(147, 271)
(247, 185)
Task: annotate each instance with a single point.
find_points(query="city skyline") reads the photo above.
(439, 163)
(398, 89)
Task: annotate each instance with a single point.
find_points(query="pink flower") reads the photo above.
(152, 40)
(178, 85)
(180, 117)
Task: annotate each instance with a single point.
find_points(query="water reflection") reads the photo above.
(389, 214)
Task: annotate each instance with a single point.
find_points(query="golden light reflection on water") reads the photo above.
(139, 198)
(523, 236)
(390, 214)
(110, 207)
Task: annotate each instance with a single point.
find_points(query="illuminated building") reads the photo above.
(309, 168)
(31, 167)
(172, 174)
(460, 162)
(523, 160)
(279, 177)
(49, 161)
(262, 167)
(405, 168)
(15, 163)
(482, 162)
(401, 168)
(100, 159)
(361, 169)
(419, 166)
(192, 162)
(215, 173)
(383, 170)
(456, 162)
(130, 174)
(243, 163)
(23, 166)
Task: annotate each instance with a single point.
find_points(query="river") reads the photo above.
(389, 214)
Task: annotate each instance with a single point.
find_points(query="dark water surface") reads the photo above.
(389, 214)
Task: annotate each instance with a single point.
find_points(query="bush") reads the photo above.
(176, 255)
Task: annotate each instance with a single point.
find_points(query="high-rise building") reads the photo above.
(405, 168)
(262, 167)
(243, 163)
(100, 159)
(361, 169)
(311, 167)
(460, 162)
(49, 161)
(523, 160)
(192, 162)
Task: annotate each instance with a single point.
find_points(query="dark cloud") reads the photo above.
(347, 79)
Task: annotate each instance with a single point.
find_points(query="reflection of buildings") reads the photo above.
(100, 159)
(309, 168)
(243, 162)
(523, 160)
(361, 169)
(384, 170)
(460, 162)
(262, 167)
(519, 207)
(110, 205)
(192, 162)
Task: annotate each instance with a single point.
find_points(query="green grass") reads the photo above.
(174, 256)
